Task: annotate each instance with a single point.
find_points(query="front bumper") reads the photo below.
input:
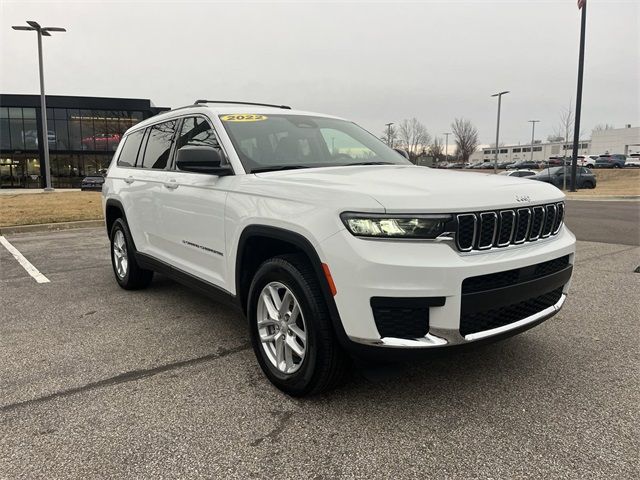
(364, 269)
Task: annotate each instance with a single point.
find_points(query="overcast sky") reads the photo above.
(372, 62)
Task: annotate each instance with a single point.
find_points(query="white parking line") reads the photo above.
(31, 270)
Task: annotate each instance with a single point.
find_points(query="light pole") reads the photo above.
(446, 146)
(389, 141)
(533, 132)
(495, 158)
(42, 31)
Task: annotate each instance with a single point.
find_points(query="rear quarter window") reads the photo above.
(129, 151)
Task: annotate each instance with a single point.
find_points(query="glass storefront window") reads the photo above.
(88, 132)
(100, 138)
(30, 133)
(75, 132)
(16, 129)
(5, 138)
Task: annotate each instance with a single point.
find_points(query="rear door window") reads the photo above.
(129, 151)
(158, 149)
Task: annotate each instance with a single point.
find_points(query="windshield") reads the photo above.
(277, 142)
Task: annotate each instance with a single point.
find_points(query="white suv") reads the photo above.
(331, 243)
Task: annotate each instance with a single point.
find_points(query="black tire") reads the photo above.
(325, 364)
(134, 277)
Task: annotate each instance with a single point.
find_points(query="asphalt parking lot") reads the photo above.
(99, 382)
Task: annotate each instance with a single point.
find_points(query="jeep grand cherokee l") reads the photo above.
(331, 243)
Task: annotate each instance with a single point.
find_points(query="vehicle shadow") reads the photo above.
(487, 370)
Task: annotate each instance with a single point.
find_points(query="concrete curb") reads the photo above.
(46, 227)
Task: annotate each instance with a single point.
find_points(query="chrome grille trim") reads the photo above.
(550, 219)
(526, 232)
(483, 221)
(559, 218)
(552, 212)
(533, 236)
(503, 213)
(475, 232)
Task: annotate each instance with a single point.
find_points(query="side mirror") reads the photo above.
(201, 159)
(402, 152)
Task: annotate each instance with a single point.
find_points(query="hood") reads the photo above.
(413, 189)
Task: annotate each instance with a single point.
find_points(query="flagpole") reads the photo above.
(576, 131)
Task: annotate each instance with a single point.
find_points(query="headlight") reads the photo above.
(396, 226)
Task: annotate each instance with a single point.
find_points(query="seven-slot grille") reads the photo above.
(485, 230)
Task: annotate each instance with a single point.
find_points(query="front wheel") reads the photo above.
(291, 330)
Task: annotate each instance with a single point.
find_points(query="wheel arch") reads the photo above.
(112, 211)
(284, 241)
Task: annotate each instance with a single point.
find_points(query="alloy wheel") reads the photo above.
(281, 327)
(120, 259)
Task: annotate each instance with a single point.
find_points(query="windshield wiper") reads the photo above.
(274, 168)
(368, 163)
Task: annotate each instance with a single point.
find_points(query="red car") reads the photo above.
(101, 141)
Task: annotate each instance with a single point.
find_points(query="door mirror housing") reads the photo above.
(202, 159)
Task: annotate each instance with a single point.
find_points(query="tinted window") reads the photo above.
(197, 131)
(130, 149)
(158, 147)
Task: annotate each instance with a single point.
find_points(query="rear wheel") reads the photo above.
(128, 273)
(291, 330)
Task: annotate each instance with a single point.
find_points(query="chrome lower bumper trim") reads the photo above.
(440, 337)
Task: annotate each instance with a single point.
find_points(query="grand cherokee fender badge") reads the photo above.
(206, 249)
(523, 198)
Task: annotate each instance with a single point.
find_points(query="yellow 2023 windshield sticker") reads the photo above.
(243, 117)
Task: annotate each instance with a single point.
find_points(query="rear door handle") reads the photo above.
(171, 184)
(129, 180)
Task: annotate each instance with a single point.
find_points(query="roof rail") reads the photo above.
(198, 102)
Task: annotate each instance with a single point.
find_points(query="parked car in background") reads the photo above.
(611, 160)
(633, 160)
(524, 164)
(474, 165)
(519, 173)
(485, 166)
(588, 161)
(457, 165)
(556, 161)
(92, 183)
(555, 176)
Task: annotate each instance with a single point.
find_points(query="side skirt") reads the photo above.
(209, 289)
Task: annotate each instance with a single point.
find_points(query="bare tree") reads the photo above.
(390, 136)
(601, 127)
(413, 137)
(564, 129)
(466, 137)
(436, 149)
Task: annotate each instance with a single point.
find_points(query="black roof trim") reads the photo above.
(286, 107)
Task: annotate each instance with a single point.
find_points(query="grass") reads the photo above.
(30, 209)
(619, 182)
(614, 182)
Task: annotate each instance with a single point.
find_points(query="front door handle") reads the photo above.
(171, 184)
(129, 180)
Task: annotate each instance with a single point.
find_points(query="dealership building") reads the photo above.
(82, 134)
(616, 140)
